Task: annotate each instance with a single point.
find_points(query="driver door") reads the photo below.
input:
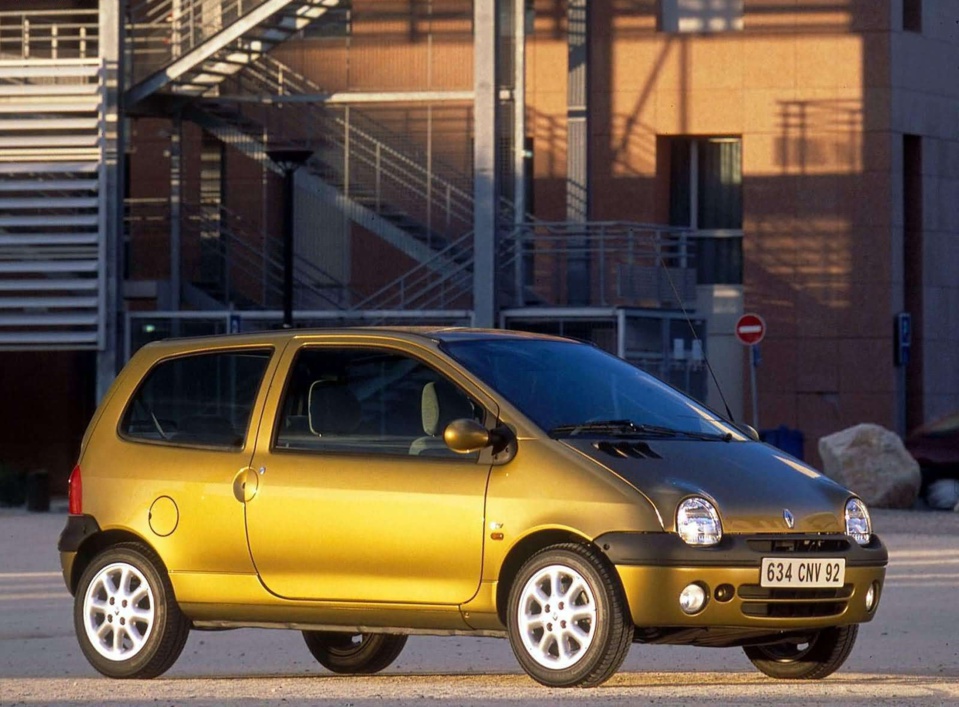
(357, 497)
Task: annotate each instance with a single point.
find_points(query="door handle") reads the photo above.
(245, 485)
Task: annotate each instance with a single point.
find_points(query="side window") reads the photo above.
(200, 400)
(369, 401)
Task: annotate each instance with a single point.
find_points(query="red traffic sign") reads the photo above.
(750, 329)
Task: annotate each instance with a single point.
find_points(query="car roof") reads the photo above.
(278, 337)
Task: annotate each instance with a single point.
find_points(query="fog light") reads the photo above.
(692, 599)
(724, 592)
(871, 595)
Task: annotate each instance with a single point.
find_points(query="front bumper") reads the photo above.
(655, 568)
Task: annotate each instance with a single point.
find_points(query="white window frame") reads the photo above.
(692, 16)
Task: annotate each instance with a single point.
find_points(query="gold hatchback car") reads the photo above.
(364, 485)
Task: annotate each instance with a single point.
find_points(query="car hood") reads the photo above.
(752, 484)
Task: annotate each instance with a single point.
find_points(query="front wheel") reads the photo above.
(568, 622)
(822, 654)
(357, 654)
(126, 617)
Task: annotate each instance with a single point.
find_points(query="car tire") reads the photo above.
(568, 621)
(125, 615)
(357, 654)
(822, 655)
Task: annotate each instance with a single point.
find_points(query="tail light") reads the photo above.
(76, 492)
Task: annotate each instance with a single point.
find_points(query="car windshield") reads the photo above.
(569, 389)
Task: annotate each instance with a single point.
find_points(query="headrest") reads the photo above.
(441, 404)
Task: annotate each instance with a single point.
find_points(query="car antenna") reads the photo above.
(682, 306)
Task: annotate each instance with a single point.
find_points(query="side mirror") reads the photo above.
(465, 436)
(749, 431)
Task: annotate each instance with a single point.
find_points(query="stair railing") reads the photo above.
(380, 173)
(160, 31)
(243, 271)
(49, 34)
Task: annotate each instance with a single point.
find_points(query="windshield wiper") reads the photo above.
(628, 428)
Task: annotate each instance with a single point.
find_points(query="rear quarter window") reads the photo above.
(197, 400)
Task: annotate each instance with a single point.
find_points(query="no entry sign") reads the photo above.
(750, 329)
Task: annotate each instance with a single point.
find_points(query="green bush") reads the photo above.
(13, 486)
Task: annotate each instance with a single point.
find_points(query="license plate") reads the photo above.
(778, 572)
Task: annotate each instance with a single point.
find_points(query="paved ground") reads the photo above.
(909, 654)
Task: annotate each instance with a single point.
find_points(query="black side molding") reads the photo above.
(78, 529)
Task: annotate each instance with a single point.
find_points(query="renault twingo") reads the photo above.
(364, 485)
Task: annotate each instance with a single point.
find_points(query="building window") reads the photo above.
(706, 195)
(701, 15)
(912, 15)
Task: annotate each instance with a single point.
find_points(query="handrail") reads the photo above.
(163, 30)
(49, 34)
(427, 275)
(629, 263)
(360, 158)
(235, 249)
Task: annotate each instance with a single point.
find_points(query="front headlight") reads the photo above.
(697, 522)
(858, 523)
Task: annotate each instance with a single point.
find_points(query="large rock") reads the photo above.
(872, 461)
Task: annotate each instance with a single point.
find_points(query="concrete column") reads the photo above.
(484, 163)
(111, 186)
(577, 149)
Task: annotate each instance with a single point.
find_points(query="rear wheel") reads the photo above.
(568, 622)
(822, 654)
(126, 617)
(359, 653)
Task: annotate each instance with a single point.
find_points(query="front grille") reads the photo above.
(784, 546)
(789, 603)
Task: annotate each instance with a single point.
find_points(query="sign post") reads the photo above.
(750, 330)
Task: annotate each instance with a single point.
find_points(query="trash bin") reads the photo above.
(789, 440)
(38, 491)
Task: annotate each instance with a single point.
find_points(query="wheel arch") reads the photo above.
(97, 543)
(526, 548)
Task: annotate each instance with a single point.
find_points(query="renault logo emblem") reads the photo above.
(789, 518)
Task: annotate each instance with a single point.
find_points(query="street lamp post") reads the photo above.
(288, 159)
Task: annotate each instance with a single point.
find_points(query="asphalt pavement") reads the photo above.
(908, 655)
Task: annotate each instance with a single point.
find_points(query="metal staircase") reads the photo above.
(189, 47)
(376, 178)
(52, 201)
(230, 267)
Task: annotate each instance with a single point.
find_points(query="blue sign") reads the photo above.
(903, 338)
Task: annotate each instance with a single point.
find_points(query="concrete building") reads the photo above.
(627, 171)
